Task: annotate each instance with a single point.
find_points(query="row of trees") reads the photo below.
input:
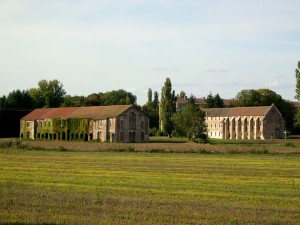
(47, 94)
(162, 113)
(51, 94)
(266, 97)
(190, 121)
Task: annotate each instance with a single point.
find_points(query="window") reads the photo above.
(122, 124)
(132, 121)
(99, 123)
(142, 125)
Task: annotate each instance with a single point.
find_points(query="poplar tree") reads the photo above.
(167, 107)
(297, 96)
(151, 110)
(149, 96)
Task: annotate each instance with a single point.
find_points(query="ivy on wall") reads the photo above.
(67, 128)
(24, 130)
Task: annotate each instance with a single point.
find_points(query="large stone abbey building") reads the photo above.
(263, 122)
(117, 123)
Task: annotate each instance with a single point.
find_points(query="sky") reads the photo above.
(217, 46)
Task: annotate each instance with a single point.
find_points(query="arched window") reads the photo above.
(132, 121)
(233, 124)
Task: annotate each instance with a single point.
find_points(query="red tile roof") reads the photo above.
(237, 111)
(100, 112)
(92, 112)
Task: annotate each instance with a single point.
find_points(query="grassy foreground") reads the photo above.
(53, 187)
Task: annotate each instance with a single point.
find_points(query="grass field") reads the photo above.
(109, 187)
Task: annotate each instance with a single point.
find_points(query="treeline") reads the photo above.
(189, 122)
(51, 94)
(161, 110)
(266, 97)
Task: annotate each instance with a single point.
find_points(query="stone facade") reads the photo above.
(130, 126)
(122, 123)
(263, 122)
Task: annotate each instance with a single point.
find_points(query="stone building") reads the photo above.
(263, 122)
(199, 102)
(117, 123)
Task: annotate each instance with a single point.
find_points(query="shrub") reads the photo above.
(289, 144)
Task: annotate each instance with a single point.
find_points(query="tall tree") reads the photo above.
(49, 94)
(214, 101)
(3, 101)
(19, 99)
(219, 103)
(93, 100)
(210, 101)
(167, 107)
(156, 100)
(151, 110)
(248, 98)
(149, 96)
(190, 122)
(297, 96)
(118, 97)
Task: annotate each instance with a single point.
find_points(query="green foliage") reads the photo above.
(17, 99)
(76, 125)
(167, 107)
(74, 101)
(12, 144)
(266, 97)
(190, 122)
(214, 101)
(149, 96)
(119, 97)
(248, 98)
(49, 94)
(297, 118)
(155, 101)
(93, 100)
(65, 128)
(44, 127)
(115, 97)
(3, 101)
(24, 129)
(151, 110)
(297, 96)
(59, 125)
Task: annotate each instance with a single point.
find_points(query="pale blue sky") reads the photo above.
(203, 46)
